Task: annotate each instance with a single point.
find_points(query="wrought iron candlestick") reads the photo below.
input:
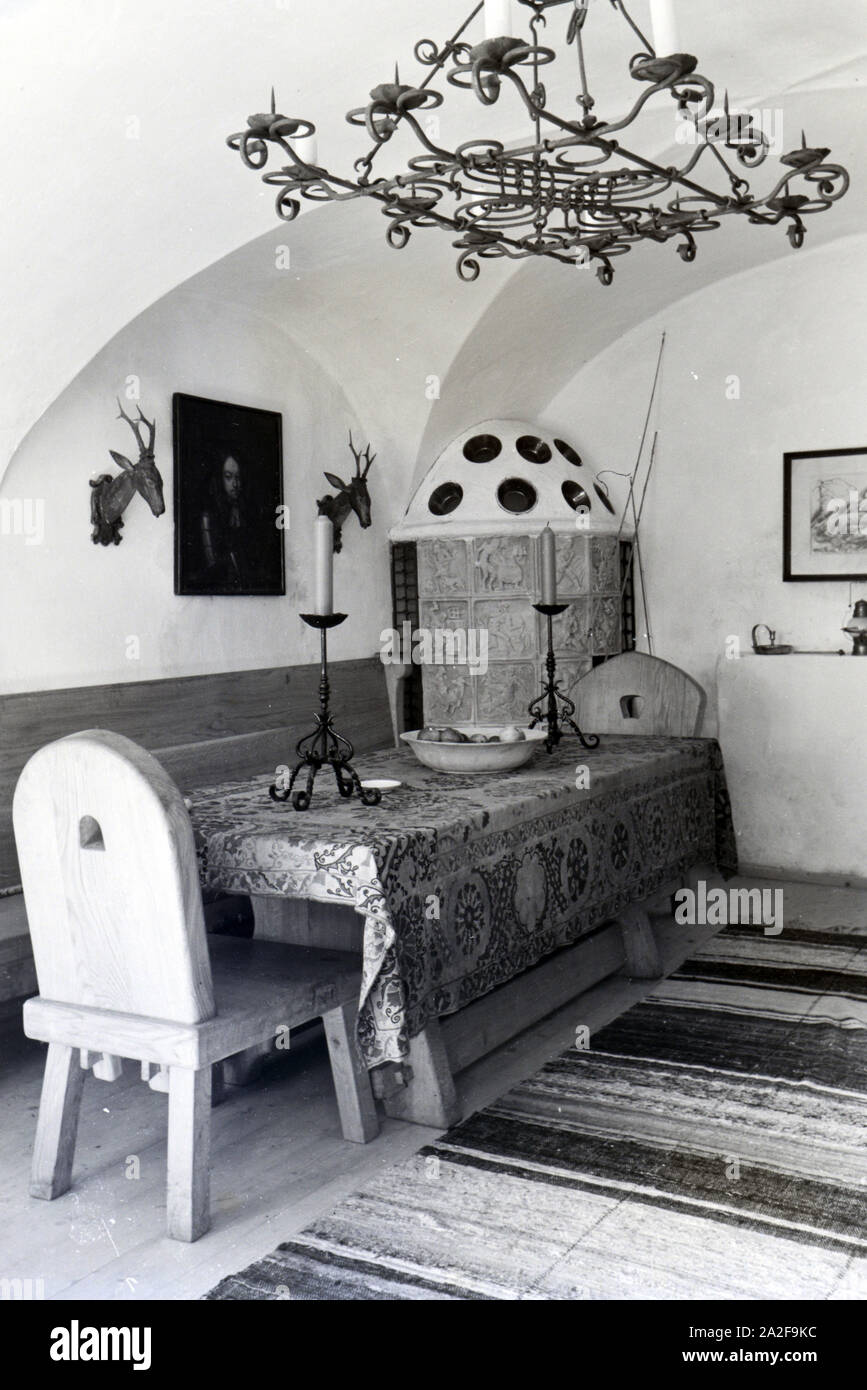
(324, 745)
(552, 705)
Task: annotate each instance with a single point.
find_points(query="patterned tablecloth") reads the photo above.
(463, 882)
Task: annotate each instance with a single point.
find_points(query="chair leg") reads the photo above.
(189, 1186)
(57, 1125)
(358, 1118)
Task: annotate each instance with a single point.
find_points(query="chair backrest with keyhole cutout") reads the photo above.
(638, 694)
(108, 867)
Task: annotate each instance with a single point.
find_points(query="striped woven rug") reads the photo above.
(708, 1144)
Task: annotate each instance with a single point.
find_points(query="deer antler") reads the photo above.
(358, 456)
(152, 429)
(134, 426)
(356, 453)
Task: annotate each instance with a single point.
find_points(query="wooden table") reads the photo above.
(480, 903)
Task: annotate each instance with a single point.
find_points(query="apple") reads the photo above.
(511, 734)
(431, 735)
(453, 736)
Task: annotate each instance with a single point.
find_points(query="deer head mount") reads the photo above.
(351, 497)
(112, 494)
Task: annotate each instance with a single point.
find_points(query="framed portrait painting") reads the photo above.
(825, 514)
(228, 498)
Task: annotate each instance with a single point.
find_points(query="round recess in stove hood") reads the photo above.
(483, 448)
(532, 449)
(576, 496)
(517, 495)
(569, 453)
(602, 494)
(445, 498)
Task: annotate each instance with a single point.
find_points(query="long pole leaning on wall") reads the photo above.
(636, 512)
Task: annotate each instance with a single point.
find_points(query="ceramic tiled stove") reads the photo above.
(490, 583)
(475, 519)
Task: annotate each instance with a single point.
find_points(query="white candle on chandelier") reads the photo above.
(323, 567)
(548, 566)
(663, 22)
(498, 19)
(306, 147)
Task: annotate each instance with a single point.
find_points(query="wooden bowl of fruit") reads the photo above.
(474, 747)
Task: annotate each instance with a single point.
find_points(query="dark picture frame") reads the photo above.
(228, 498)
(824, 508)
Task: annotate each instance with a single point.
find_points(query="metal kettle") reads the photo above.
(768, 648)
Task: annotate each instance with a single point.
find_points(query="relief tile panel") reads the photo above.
(605, 625)
(443, 567)
(448, 694)
(510, 625)
(571, 629)
(604, 564)
(505, 691)
(503, 565)
(438, 613)
(572, 564)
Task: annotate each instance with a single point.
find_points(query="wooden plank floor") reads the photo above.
(278, 1157)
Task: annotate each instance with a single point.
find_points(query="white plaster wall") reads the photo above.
(794, 334)
(69, 607)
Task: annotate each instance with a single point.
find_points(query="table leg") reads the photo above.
(643, 961)
(430, 1097)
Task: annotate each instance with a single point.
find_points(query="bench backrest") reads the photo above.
(108, 866)
(203, 729)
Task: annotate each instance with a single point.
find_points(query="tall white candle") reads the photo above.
(549, 566)
(323, 570)
(663, 23)
(498, 19)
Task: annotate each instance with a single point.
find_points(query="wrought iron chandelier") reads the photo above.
(575, 193)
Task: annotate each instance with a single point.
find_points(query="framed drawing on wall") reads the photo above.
(825, 514)
(228, 492)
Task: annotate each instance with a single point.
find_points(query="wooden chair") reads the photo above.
(109, 873)
(638, 694)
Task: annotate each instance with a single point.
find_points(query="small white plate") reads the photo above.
(381, 784)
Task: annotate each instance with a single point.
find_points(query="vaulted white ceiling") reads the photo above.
(118, 185)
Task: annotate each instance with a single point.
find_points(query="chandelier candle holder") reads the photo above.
(324, 746)
(553, 706)
(575, 191)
